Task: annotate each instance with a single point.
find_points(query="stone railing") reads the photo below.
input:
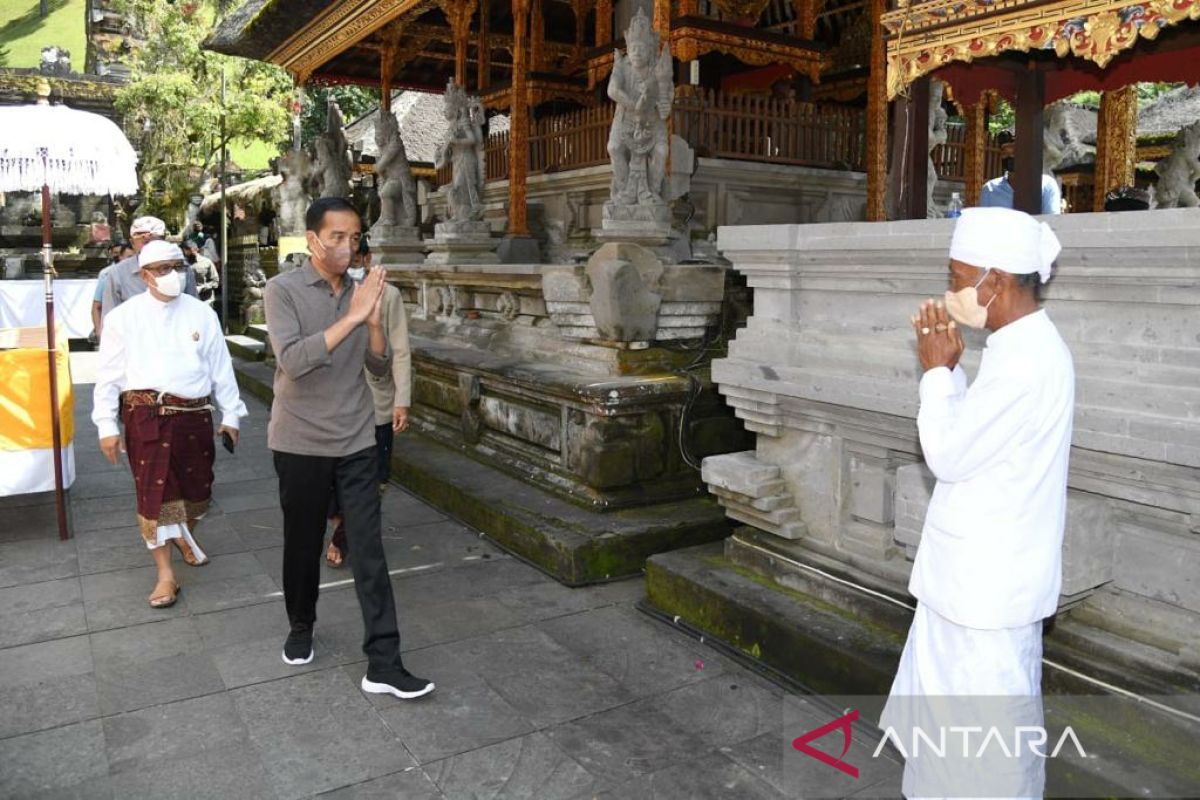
(825, 373)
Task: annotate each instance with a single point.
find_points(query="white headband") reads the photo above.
(157, 251)
(1004, 239)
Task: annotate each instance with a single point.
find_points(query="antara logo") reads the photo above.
(844, 723)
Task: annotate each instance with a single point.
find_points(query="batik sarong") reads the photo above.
(170, 446)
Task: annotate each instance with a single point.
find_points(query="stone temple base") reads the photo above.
(646, 225)
(462, 243)
(395, 246)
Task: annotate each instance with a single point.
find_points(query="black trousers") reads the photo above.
(306, 484)
(384, 437)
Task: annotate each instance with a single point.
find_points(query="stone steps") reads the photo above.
(258, 332)
(246, 347)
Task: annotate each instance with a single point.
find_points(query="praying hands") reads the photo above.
(939, 341)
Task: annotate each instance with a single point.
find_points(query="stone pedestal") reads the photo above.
(396, 245)
(647, 225)
(462, 243)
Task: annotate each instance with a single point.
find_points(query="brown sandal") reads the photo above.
(164, 599)
(189, 555)
(333, 556)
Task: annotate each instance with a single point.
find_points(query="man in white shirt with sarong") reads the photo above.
(163, 364)
(988, 568)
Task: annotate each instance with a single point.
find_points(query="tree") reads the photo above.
(173, 107)
(353, 100)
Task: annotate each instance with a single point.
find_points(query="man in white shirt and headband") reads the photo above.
(988, 568)
(161, 358)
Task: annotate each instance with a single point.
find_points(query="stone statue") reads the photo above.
(937, 138)
(55, 61)
(1068, 136)
(253, 281)
(333, 167)
(638, 142)
(296, 168)
(1179, 171)
(393, 176)
(463, 149)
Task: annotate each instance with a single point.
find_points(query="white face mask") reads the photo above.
(356, 273)
(169, 285)
(963, 305)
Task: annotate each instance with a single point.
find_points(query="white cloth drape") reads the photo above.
(29, 471)
(23, 305)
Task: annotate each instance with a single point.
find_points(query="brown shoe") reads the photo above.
(189, 555)
(164, 595)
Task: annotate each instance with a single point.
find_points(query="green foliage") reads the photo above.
(3, 56)
(1147, 93)
(173, 104)
(353, 100)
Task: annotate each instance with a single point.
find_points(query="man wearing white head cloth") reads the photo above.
(163, 369)
(989, 565)
(125, 277)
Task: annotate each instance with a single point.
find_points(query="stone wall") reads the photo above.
(826, 374)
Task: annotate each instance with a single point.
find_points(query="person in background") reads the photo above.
(998, 192)
(163, 363)
(196, 234)
(324, 329)
(205, 273)
(125, 278)
(120, 251)
(392, 392)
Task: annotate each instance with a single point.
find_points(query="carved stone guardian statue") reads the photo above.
(1179, 171)
(331, 174)
(296, 168)
(464, 237)
(639, 142)
(395, 235)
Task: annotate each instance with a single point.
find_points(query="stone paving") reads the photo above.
(544, 692)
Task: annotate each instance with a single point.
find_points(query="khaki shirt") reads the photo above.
(393, 388)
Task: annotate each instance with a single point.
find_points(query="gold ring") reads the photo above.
(924, 331)
(940, 328)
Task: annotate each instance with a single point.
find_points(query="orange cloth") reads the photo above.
(25, 397)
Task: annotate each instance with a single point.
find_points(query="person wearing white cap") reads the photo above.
(988, 568)
(125, 277)
(163, 364)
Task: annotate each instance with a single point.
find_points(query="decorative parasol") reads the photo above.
(44, 147)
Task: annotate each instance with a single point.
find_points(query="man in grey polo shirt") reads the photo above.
(125, 277)
(323, 330)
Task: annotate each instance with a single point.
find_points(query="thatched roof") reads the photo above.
(251, 194)
(422, 126)
(1176, 109)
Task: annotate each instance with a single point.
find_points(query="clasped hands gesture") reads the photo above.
(939, 341)
(366, 303)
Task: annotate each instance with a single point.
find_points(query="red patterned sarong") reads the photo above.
(170, 445)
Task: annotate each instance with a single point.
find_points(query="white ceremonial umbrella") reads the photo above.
(44, 148)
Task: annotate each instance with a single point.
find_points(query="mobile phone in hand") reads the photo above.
(227, 440)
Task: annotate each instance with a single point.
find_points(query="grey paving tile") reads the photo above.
(458, 619)
(723, 710)
(37, 560)
(636, 739)
(223, 773)
(472, 580)
(41, 611)
(453, 721)
(48, 703)
(316, 732)
(231, 593)
(103, 513)
(541, 680)
(643, 657)
(34, 663)
(712, 776)
(157, 680)
(143, 739)
(246, 502)
(548, 600)
(528, 768)
(112, 550)
(412, 784)
(114, 649)
(259, 661)
(35, 763)
(221, 629)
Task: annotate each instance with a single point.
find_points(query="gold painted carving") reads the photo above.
(975, 151)
(335, 30)
(741, 9)
(926, 36)
(689, 43)
(518, 141)
(877, 109)
(1116, 142)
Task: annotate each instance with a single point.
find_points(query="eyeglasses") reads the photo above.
(159, 270)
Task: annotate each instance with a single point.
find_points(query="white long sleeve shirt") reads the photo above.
(174, 347)
(991, 549)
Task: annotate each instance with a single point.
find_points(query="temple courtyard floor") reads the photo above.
(543, 691)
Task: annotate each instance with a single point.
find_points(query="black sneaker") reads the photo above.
(397, 682)
(298, 649)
